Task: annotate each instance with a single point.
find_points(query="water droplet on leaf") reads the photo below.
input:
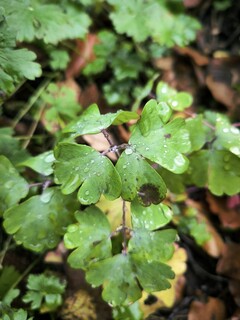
(72, 228)
(128, 151)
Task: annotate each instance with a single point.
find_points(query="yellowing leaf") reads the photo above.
(113, 210)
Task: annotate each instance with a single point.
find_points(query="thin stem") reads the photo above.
(25, 272)
(31, 102)
(124, 250)
(4, 251)
(33, 128)
(115, 148)
(124, 228)
(108, 138)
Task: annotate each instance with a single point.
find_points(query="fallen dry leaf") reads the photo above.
(228, 213)
(99, 143)
(229, 263)
(83, 54)
(199, 58)
(213, 309)
(79, 306)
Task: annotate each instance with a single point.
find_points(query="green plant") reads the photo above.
(168, 150)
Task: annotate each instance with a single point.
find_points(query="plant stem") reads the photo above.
(4, 251)
(33, 128)
(124, 228)
(31, 102)
(124, 250)
(25, 272)
(108, 138)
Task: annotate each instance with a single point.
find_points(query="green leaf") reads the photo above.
(139, 179)
(87, 169)
(176, 100)
(152, 246)
(219, 169)
(90, 237)
(62, 105)
(7, 313)
(159, 142)
(59, 59)
(116, 274)
(198, 132)
(41, 163)
(198, 168)
(91, 121)
(224, 173)
(102, 50)
(10, 146)
(15, 64)
(150, 218)
(8, 276)
(132, 312)
(128, 17)
(12, 186)
(10, 296)
(39, 222)
(228, 136)
(170, 29)
(35, 20)
(44, 291)
(153, 275)
(140, 20)
(174, 182)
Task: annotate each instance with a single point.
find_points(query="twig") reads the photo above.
(115, 148)
(33, 128)
(31, 103)
(108, 138)
(4, 251)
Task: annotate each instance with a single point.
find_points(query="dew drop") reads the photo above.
(77, 168)
(179, 160)
(174, 103)
(92, 161)
(147, 149)
(128, 151)
(86, 170)
(124, 167)
(87, 193)
(235, 150)
(225, 130)
(234, 130)
(227, 167)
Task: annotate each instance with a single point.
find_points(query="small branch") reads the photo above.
(33, 127)
(44, 184)
(124, 250)
(4, 251)
(115, 148)
(108, 138)
(31, 103)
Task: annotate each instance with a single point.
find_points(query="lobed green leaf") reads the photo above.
(90, 237)
(87, 169)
